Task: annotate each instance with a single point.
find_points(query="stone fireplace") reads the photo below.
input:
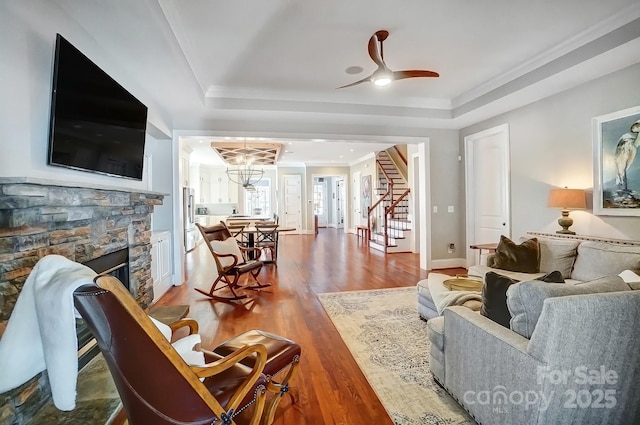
(40, 217)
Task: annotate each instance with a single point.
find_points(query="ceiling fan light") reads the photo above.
(383, 81)
(382, 77)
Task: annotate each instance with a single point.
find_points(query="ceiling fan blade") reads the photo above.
(364, 80)
(413, 73)
(374, 51)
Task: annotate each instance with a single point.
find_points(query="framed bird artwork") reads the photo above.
(616, 146)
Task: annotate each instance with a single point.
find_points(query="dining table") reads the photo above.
(251, 231)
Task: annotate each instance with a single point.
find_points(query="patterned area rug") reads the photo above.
(389, 342)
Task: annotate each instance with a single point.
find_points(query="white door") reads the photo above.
(487, 181)
(293, 201)
(340, 204)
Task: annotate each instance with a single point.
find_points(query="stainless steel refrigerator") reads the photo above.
(189, 217)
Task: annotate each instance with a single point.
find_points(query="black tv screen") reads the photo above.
(96, 124)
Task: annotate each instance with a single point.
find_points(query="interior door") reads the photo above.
(293, 201)
(488, 191)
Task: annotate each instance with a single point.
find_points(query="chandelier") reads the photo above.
(244, 173)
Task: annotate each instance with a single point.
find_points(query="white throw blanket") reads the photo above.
(41, 332)
(443, 297)
(456, 298)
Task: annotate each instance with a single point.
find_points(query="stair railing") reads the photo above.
(384, 208)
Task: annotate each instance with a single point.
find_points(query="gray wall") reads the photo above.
(447, 189)
(551, 145)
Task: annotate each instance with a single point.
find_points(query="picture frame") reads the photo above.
(365, 197)
(616, 155)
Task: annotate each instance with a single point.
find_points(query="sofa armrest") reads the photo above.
(590, 335)
(484, 359)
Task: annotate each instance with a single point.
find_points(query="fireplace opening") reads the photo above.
(117, 265)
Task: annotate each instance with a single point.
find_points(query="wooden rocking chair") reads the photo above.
(231, 261)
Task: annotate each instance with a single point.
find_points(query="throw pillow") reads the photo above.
(184, 346)
(494, 295)
(557, 254)
(227, 246)
(523, 258)
(526, 299)
(599, 259)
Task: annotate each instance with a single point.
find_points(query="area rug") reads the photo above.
(389, 342)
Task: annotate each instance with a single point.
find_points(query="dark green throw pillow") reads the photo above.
(523, 258)
(494, 295)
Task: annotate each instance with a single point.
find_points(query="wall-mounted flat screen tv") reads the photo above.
(96, 124)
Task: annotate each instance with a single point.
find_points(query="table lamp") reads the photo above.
(566, 199)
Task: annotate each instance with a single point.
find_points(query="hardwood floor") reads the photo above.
(332, 390)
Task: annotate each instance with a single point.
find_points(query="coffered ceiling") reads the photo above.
(255, 153)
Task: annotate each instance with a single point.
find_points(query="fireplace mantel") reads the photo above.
(61, 183)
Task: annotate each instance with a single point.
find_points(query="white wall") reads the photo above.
(551, 145)
(28, 31)
(161, 180)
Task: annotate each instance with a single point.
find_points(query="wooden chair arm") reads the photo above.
(246, 250)
(181, 323)
(214, 368)
(235, 260)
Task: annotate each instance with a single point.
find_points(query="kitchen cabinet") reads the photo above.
(160, 263)
(205, 185)
(215, 186)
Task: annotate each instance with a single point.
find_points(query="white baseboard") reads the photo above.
(448, 263)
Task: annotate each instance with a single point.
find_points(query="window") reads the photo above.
(258, 203)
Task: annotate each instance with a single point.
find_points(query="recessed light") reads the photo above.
(354, 70)
(350, 150)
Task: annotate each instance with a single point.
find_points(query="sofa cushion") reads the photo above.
(557, 254)
(518, 258)
(525, 299)
(599, 259)
(494, 295)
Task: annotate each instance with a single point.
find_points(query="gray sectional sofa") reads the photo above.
(571, 354)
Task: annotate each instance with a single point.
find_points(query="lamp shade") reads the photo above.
(567, 199)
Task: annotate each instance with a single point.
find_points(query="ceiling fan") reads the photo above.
(383, 75)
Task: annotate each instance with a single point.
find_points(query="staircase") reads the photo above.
(389, 219)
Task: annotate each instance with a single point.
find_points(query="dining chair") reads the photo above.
(237, 230)
(155, 384)
(232, 262)
(267, 240)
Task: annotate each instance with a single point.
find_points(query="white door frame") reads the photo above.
(424, 201)
(345, 178)
(470, 192)
(339, 203)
